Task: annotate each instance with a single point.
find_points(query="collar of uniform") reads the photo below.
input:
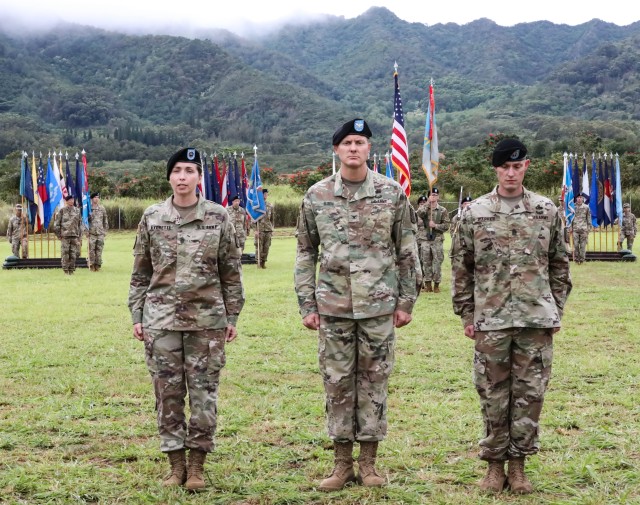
(366, 190)
(526, 201)
(171, 215)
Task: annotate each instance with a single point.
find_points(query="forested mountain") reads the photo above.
(139, 97)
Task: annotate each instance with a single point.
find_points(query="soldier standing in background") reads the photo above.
(510, 282)
(239, 219)
(17, 233)
(421, 237)
(68, 228)
(628, 227)
(98, 226)
(185, 298)
(263, 231)
(580, 227)
(357, 225)
(455, 220)
(436, 221)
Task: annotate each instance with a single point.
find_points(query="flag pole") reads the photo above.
(258, 255)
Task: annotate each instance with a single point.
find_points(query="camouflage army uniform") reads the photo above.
(67, 227)
(239, 219)
(186, 286)
(628, 230)
(98, 227)
(510, 280)
(365, 245)
(263, 231)
(432, 247)
(18, 236)
(580, 227)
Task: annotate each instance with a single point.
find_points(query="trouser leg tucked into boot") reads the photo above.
(343, 469)
(518, 481)
(195, 470)
(367, 475)
(436, 287)
(494, 480)
(427, 287)
(178, 475)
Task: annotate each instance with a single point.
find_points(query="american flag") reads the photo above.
(399, 147)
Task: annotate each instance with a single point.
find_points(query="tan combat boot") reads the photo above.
(195, 470)
(343, 468)
(436, 287)
(427, 287)
(178, 475)
(516, 477)
(367, 475)
(494, 480)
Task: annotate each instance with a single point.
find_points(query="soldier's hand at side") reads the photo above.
(312, 321)
(556, 330)
(230, 333)
(401, 318)
(470, 332)
(137, 331)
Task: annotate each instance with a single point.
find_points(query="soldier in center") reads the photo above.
(358, 225)
(436, 221)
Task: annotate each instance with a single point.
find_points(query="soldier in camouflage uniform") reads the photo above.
(98, 226)
(580, 227)
(239, 219)
(17, 233)
(185, 298)
(263, 231)
(628, 228)
(455, 220)
(67, 226)
(510, 282)
(435, 219)
(421, 236)
(358, 225)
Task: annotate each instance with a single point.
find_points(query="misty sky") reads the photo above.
(244, 17)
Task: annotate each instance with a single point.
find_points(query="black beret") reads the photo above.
(422, 198)
(434, 191)
(95, 193)
(188, 155)
(235, 197)
(353, 127)
(508, 150)
(265, 190)
(68, 197)
(466, 199)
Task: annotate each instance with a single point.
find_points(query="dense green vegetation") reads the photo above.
(124, 97)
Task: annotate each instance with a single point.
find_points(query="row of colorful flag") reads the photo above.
(603, 194)
(44, 188)
(224, 180)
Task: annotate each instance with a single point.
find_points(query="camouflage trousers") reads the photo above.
(16, 245)
(181, 362)
(262, 245)
(431, 257)
(70, 250)
(96, 245)
(241, 238)
(512, 368)
(356, 359)
(580, 245)
(629, 238)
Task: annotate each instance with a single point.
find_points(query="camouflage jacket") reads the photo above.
(16, 230)
(266, 223)
(239, 219)
(186, 274)
(629, 225)
(510, 269)
(98, 222)
(68, 223)
(365, 245)
(440, 216)
(581, 219)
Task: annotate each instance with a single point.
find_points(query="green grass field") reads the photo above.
(77, 423)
